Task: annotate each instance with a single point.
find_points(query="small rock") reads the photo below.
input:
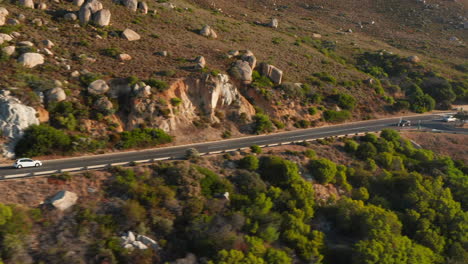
(56, 95)
(162, 53)
(26, 3)
(131, 237)
(13, 22)
(78, 2)
(31, 59)
(273, 23)
(208, 32)
(413, 59)
(130, 35)
(98, 87)
(201, 62)
(48, 44)
(21, 17)
(139, 245)
(124, 57)
(26, 44)
(75, 74)
(42, 6)
(3, 11)
(317, 36)
(9, 50)
(70, 16)
(168, 5)
(47, 52)
(102, 17)
(37, 22)
(15, 34)
(143, 7)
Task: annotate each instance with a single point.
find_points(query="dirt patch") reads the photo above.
(451, 145)
(32, 192)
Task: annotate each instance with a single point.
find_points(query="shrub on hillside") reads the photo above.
(262, 124)
(336, 116)
(143, 137)
(346, 101)
(323, 170)
(42, 140)
(249, 162)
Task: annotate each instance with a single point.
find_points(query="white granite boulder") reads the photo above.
(64, 200)
(31, 59)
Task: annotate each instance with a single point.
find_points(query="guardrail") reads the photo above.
(128, 163)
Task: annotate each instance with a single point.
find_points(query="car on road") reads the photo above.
(26, 162)
(404, 123)
(449, 118)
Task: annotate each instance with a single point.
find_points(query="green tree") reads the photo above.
(262, 124)
(323, 170)
(42, 140)
(366, 150)
(275, 256)
(5, 214)
(249, 162)
(278, 171)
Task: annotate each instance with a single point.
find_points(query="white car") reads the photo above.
(449, 118)
(25, 162)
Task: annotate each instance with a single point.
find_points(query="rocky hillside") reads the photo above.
(95, 69)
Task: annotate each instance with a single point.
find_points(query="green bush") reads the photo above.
(312, 110)
(256, 149)
(176, 101)
(366, 150)
(262, 124)
(249, 162)
(346, 101)
(323, 170)
(143, 137)
(326, 77)
(336, 116)
(351, 146)
(212, 184)
(111, 52)
(42, 140)
(260, 81)
(158, 84)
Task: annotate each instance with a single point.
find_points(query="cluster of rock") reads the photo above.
(132, 241)
(92, 10)
(63, 200)
(208, 32)
(14, 118)
(134, 5)
(243, 68)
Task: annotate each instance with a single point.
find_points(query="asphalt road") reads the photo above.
(179, 151)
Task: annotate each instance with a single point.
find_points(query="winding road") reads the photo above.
(121, 158)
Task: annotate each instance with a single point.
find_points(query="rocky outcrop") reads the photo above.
(14, 118)
(63, 200)
(88, 10)
(130, 4)
(98, 87)
(270, 71)
(132, 241)
(31, 59)
(208, 95)
(208, 32)
(130, 35)
(102, 17)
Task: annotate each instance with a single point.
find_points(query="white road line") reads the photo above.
(120, 163)
(71, 169)
(17, 175)
(45, 172)
(142, 161)
(96, 166)
(165, 158)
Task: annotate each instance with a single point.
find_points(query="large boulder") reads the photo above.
(3, 15)
(249, 57)
(242, 71)
(78, 2)
(64, 200)
(130, 35)
(31, 59)
(98, 87)
(87, 10)
(56, 95)
(26, 3)
(270, 71)
(15, 116)
(102, 17)
(143, 7)
(130, 4)
(9, 50)
(70, 16)
(5, 38)
(208, 32)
